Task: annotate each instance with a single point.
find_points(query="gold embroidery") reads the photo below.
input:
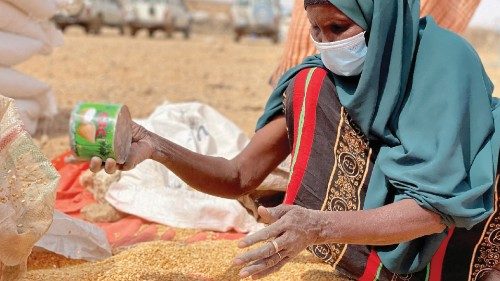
(352, 155)
(487, 252)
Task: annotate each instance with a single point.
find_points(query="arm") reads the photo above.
(294, 228)
(212, 175)
(222, 177)
(391, 224)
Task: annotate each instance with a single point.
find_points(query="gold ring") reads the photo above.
(276, 249)
(279, 255)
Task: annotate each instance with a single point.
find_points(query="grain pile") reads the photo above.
(210, 260)
(98, 184)
(40, 259)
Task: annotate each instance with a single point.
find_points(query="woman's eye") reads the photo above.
(335, 28)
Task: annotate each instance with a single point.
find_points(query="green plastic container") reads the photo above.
(98, 129)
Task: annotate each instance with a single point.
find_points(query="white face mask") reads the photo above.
(345, 57)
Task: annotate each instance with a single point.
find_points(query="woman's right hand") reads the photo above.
(142, 148)
(209, 174)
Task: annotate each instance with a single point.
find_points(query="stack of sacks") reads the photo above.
(25, 30)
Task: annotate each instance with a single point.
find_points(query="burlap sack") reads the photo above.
(27, 193)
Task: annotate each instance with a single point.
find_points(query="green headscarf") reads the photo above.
(425, 96)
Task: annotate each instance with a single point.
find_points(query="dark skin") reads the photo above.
(329, 24)
(291, 228)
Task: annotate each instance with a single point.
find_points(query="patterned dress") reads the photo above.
(330, 171)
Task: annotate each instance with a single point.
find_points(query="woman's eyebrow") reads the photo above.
(340, 20)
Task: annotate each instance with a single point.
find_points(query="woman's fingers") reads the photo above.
(270, 215)
(267, 233)
(271, 257)
(267, 250)
(110, 166)
(95, 164)
(262, 266)
(272, 269)
(137, 131)
(289, 240)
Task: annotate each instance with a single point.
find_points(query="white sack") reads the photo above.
(55, 36)
(75, 239)
(37, 9)
(15, 49)
(152, 192)
(17, 85)
(29, 111)
(12, 20)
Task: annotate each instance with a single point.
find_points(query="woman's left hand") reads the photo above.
(291, 230)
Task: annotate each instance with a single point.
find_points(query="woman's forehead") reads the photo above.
(325, 13)
(358, 11)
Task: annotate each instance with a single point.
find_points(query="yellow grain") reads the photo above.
(208, 260)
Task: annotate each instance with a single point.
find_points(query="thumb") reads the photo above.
(136, 155)
(270, 215)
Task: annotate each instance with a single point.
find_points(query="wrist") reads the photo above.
(155, 151)
(328, 230)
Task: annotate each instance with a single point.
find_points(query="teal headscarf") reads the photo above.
(425, 95)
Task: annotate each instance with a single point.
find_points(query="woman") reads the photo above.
(394, 141)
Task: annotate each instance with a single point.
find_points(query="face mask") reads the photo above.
(345, 57)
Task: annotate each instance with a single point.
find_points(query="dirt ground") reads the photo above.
(143, 73)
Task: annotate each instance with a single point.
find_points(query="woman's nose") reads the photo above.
(324, 36)
(327, 37)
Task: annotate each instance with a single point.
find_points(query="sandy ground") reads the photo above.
(143, 73)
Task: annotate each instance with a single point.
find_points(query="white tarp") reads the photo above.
(75, 239)
(153, 192)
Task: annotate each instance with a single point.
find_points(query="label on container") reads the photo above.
(92, 130)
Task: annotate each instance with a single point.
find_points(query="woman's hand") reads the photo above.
(142, 148)
(292, 229)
